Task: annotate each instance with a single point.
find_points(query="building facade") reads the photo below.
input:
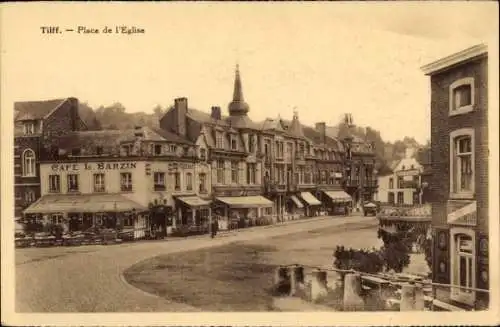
(35, 122)
(459, 181)
(144, 180)
(404, 186)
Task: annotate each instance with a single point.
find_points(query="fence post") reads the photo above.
(318, 285)
(419, 297)
(407, 297)
(352, 293)
(296, 279)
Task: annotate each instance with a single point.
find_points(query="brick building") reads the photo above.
(36, 122)
(459, 180)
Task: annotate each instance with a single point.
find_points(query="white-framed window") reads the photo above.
(461, 96)
(29, 128)
(203, 183)
(99, 185)
(251, 173)
(159, 181)
(189, 181)
(219, 140)
(463, 264)
(29, 196)
(72, 182)
(126, 182)
(54, 184)
(234, 171)
(29, 163)
(177, 181)
(56, 218)
(220, 172)
(462, 174)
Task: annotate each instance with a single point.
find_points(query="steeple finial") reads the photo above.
(238, 105)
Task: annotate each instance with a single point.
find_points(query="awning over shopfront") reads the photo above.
(338, 196)
(296, 201)
(194, 201)
(310, 199)
(462, 213)
(84, 203)
(255, 201)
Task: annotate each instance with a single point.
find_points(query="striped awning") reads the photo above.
(338, 196)
(82, 203)
(310, 199)
(194, 201)
(296, 201)
(255, 201)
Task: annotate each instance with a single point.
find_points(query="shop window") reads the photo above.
(462, 163)
(28, 162)
(54, 183)
(463, 269)
(72, 183)
(126, 182)
(159, 181)
(99, 185)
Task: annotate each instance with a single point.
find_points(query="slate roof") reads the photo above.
(33, 110)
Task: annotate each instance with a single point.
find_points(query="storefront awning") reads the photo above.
(296, 201)
(194, 201)
(462, 213)
(255, 201)
(338, 196)
(310, 199)
(84, 203)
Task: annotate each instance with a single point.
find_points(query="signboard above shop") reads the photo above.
(94, 166)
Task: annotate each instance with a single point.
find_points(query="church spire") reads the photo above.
(238, 106)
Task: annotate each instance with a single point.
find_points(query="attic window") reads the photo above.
(234, 144)
(157, 149)
(99, 150)
(29, 128)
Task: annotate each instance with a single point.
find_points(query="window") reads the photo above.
(172, 148)
(128, 220)
(159, 181)
(220, 172)
(308, 175)
(219, 140)
(462, 264)
(99, 150)
(323, 177)
(29, 167)
(234, 171)
(99, 219)
(99, 183)
(76, 152)
(56, 218)
(461, 96)
(126, 182)
(72, 183)
(177, 181)
(462, 163)
(29, 128)
(331, 177)
(252, 143)
(251, 172)
(400, 182)
(189, 181)
(416, 198)
(234, 143)
(289, 150)
(401, 198)
(54, 183)
(390, 198)
(29, 196)
(203, 154)
(157, 149)
(127, 149)
(203, 183)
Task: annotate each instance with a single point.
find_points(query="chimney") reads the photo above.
(73, 112)
(216, 113)
(321, 128)
(181, 107)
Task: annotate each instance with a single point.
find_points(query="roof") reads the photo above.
(225, 121)
(455, 59)
(33, 110)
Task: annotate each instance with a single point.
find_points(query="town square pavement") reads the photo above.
(89, 278)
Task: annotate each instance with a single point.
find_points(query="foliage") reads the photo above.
(428, 252)
(33, 227)
(368, 261)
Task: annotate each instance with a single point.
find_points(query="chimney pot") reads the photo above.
(216, 113)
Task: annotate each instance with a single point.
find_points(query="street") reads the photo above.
(89, 278)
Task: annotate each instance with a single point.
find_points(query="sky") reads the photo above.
(320, 59)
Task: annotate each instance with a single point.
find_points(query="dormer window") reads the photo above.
(29, 128)
(219, 141)
(203, 154)
(234, 143)
(251, 144)
(157, 149)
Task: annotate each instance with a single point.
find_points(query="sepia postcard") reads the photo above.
(249, 163)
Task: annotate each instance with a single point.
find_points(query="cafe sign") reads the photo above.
(94, 166)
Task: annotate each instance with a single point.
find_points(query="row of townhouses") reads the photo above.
(194, 167)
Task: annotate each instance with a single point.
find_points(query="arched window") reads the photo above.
(29, 168)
